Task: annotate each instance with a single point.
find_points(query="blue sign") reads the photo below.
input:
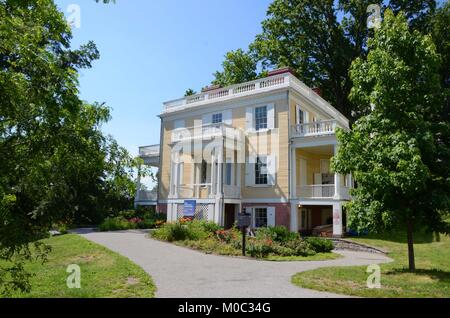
(189, 208)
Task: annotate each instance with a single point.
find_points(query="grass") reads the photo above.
(431, 279)
(104, 274)
(213, 246)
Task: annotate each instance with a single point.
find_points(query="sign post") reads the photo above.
(189, 208)
(244, 221)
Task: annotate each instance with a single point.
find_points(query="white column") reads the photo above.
(337, 180)
(337, 220)
(213, 176)
(293, 173)
(294, 217)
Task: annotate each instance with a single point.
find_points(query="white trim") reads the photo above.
(255, 101)
(179, 201)
(265, 200)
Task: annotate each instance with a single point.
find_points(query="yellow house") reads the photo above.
(262, 146)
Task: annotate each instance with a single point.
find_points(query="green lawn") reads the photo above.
(432, 278)
(104, 274)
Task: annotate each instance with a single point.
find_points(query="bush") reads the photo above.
(210, 227)
(116, 224)
(259, 249)
(320, 245)
(277, 234)
(128, 214)
(299, 248)
(177, 231)
(171, 232)
(146, 224)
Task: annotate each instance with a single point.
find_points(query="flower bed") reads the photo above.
(274, 243)
(133, 219)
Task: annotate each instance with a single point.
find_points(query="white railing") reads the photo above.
(232, 191)
(149, 151)
(259, 85)
(202, 132)
(321, 191)
(325, 127)
(146, 195)
(191, 190)
(205, 189)
(316, 191)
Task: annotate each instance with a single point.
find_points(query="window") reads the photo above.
(217, 118)
(260, 217)
(261, 170)
(204, 172)
(178, 124)
(228, 173)
(260, 118)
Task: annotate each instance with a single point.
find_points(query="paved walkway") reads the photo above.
(184, 273)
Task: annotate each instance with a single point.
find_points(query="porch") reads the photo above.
(313, 177)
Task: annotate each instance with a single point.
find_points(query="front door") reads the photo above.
(229, 216)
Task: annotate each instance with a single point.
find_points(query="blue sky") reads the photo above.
(153, 50)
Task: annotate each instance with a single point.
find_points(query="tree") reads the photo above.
(190, 92)
(396, 151)
(309, 37)
(56, 164)
(238, 67)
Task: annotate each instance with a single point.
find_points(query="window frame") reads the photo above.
(214, 118)
(261, 117)
(256, 217)
(261, 178)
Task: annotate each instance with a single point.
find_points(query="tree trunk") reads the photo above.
(409, 231)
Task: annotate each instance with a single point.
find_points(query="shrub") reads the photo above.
(228, 236)
(277, 234)
(259, 248)
(146, 224)
(177, 231)
(283, 250)
(116, 224)
(320, 245)
(299, 247)
(210, 227)
(171, 232)
(128, 214)
(196, 230)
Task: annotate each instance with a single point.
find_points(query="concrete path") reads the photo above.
(184, 273)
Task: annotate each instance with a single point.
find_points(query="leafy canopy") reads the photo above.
(398, 151)
(56, 164)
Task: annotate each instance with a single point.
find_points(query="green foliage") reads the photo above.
(115, 224)
(190, 92)
(320, 245)
(311, 38)
(259, 248)
(277, 234)
(57, 166)
(238, 67)
(177, 231)
(399, 150)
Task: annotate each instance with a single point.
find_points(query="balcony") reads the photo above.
(321, 191)
(205, 191)
(146, 197)
(244, 89)
(150, 155)
(318, 128)
(203, 132)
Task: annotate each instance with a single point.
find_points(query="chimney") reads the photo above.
(210, 88)
(282, 70)
(317, 90)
